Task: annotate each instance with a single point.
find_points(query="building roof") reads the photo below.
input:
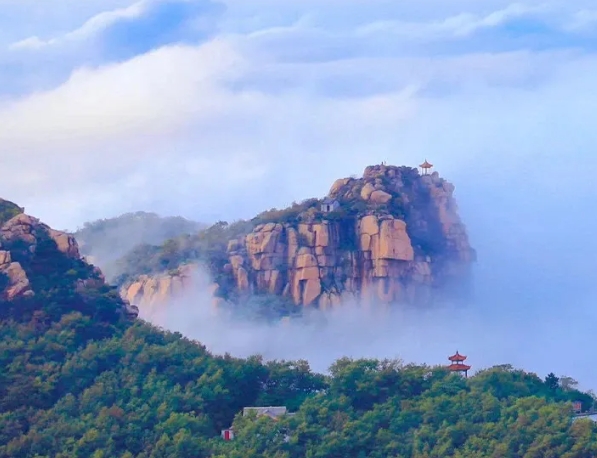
(426, 165)
(588, 416)
(328, 201)
(458, 367)
(273, 412)
(457, 357)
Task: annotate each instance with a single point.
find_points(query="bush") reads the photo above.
(8, 210)
(288, 215)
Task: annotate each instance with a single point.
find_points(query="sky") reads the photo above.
(217, 110)
(221, 109)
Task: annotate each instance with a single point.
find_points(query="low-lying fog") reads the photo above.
(534, 301)
(533, 227)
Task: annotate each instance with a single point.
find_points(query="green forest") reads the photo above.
(141, 392)
(80, 379)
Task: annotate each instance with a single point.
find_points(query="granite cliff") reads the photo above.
(37, 261)
(393, 235)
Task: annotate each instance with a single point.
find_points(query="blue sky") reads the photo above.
(282, 96)
(220, 109)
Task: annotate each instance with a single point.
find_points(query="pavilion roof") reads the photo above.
(458, 367)
(457, 357)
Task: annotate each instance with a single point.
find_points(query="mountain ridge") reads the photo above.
(393, 235)
(105, 240)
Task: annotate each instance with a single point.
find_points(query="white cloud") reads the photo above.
(51, 18)
(458, 26)
(583, 20)
(295, 123)
(131, 98)
(291, 96)
(90, 27)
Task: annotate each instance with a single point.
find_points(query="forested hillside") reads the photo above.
(80, 378)
(141, 392)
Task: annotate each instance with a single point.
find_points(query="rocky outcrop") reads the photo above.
(396, 237)
(313, 264)
(24, 243)
(28, 230)
(17, 284)
(407, 241)
(149, 293)
(24, 231)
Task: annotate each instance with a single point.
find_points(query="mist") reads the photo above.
(533, 226)
(279, 100)
(521, 316)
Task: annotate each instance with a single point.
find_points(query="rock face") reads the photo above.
(396, 237)
(26, 231)
(405, 243)
(150, 293)
(147, 292)
(21, 236)
(17, 282)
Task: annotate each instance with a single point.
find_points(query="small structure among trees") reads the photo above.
(577, 407)
(458, 365)
(228, 434)
(329, 205)
(272, 412)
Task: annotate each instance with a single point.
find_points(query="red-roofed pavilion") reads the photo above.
(458, 364)
(425, 167)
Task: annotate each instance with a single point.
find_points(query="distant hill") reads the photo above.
(105, 240)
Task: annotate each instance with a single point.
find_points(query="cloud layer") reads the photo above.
(241, 100)
(501, 327)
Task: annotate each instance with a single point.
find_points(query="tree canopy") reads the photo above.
(80, 380)
(138, 391)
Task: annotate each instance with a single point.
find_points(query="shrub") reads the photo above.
(8, 210)
(286, 215)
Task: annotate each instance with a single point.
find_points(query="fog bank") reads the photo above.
(499, 328)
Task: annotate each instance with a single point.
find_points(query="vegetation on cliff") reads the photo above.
(8, 210)
(79, 380)
(208, 246)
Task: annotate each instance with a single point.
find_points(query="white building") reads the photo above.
(590, 416)
(329, 205)
(272, 412)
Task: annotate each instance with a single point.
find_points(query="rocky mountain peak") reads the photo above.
(392, 235)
